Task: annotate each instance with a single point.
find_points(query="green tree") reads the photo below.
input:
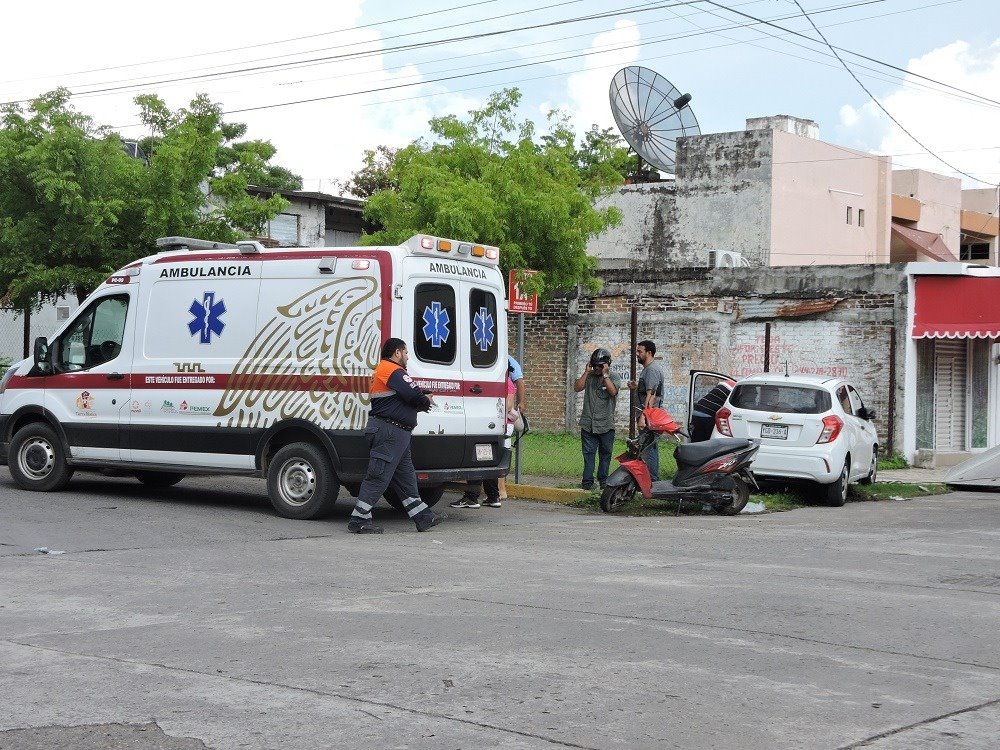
(487, 178)
(374, 174)
(74, 206)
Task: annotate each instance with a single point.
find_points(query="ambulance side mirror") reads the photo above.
(42, 353)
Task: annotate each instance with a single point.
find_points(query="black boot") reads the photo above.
(363, 526)
(427, 519)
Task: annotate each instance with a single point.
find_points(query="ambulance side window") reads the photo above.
(434, 319)
(95, 337)
(483, 327)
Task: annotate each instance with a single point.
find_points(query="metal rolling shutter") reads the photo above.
(949, 395)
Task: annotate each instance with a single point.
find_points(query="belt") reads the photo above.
(394, 423)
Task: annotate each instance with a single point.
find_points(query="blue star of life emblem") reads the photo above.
(483, 326)
(207, 317)
(436, 320)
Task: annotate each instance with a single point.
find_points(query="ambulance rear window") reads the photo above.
(434, 319)
(483, 327)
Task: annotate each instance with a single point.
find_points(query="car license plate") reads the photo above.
(776, 431)
(484, 451)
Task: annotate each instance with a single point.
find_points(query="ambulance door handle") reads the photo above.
(115, 376)
(476, 389)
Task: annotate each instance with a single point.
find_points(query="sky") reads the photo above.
(376, 71)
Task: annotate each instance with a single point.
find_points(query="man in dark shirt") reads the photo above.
(703, 413)
(395, 401)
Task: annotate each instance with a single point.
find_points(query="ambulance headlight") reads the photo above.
(6, 378)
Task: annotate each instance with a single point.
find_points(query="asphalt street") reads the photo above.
(194, 617)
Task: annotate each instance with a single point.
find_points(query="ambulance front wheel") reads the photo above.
(301, 482)
(36, 459)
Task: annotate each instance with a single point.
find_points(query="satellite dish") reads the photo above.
(651, 114)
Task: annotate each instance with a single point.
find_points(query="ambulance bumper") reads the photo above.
(433, 477)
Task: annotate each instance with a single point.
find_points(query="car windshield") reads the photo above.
(789, 399)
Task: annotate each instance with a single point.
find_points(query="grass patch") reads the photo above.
(894, 461)
(787, 498)
(560, 454)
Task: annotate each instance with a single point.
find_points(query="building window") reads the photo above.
(850, 215)
(975, 251)
(861, 217)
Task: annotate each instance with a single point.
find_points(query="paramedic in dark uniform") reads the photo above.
(395, 401)
(703, 414)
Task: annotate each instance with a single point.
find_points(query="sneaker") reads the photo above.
(363, 526)
(587, 485)
(425, 520)
(492, 502)
(465, 502)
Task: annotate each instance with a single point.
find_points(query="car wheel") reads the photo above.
(872, 470)
(159, 478)
(36, 459)
(836, 493)
(301, 482)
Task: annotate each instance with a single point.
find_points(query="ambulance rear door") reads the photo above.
(484, 366)
(430, 322)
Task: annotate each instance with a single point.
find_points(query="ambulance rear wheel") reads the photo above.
(159, 478)
(301, 482)
(36, 459)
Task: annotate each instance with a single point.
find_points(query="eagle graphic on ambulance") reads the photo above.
(261, 349)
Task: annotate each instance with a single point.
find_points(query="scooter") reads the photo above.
(716, 472)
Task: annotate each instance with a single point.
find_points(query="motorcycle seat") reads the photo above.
(699, 453)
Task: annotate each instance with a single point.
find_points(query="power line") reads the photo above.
(877, 102)
(267, 44)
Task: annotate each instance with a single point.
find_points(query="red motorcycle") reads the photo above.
(716, 472)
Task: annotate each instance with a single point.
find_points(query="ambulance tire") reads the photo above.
(37, 460)
(159, 478)
(301, 482)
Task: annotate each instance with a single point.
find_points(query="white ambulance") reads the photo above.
(235, 359)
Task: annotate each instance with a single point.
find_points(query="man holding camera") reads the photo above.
(597, 423)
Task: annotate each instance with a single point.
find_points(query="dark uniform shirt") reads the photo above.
(394, 396)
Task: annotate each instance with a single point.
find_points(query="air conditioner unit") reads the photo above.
(726, 259)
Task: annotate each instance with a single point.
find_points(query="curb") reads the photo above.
(544, 494)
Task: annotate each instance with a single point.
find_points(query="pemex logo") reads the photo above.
(207, 317)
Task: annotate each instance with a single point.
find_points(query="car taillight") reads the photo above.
(831, 428)
(722, 421)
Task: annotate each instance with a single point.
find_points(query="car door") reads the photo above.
(700, 383)
(852, 432)
(867, 436)
(89, 390)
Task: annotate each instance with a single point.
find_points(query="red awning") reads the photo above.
(953, 307)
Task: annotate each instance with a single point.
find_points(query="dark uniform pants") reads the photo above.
(389, 465)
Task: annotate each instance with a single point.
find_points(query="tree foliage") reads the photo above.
(74, 206)
(374, 174)
(487, 178)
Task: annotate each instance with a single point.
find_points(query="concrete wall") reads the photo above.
(940, 202)
(832, 321)
(645, 229)
(814, 184)
(723, 197)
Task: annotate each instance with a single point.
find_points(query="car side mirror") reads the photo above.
(867, 414)
(42, 353)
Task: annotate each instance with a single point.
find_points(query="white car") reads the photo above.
(810, 428)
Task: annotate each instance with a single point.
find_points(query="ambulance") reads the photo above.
(210, 358)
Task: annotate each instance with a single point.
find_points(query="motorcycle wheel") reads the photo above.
(614, 497)
(740, 496)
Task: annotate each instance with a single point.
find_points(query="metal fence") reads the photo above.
(42, 322)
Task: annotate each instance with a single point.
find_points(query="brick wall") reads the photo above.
(827, 321)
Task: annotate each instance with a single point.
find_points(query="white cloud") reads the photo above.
(587, 89)
(964, 133)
